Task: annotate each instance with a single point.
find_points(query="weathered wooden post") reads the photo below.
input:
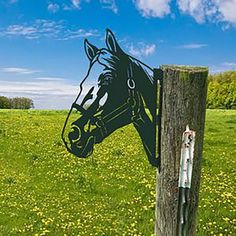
(184, 103)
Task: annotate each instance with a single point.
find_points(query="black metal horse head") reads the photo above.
(123, 92)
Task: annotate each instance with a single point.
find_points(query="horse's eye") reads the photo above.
(105, 80)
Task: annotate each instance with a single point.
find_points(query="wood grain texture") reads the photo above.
(184, 103)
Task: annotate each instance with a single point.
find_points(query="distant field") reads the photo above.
(46, 191)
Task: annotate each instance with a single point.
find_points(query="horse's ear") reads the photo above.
(111, 42)
(90, 50)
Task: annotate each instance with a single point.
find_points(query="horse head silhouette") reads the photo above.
(123, 92)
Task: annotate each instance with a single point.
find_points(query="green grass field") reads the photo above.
(46, 191)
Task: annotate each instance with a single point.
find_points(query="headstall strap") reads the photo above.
(132, 103)
(133, 95)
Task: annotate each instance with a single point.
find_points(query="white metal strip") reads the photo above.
(186, 161)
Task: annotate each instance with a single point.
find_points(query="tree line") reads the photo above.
(222, 90)
(16, 103)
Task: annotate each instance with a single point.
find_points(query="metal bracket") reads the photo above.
(186, 161)
(185, 178)
(159, 81)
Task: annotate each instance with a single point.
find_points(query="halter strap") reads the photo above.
(132, 103)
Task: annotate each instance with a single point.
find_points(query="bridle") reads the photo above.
(131, 107)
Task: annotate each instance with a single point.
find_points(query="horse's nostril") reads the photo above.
(79, 144)
(75, 134)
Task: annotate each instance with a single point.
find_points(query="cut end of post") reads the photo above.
(184, 68)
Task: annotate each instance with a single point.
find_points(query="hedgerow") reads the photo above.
(222, 90)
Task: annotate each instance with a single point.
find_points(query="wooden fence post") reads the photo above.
(184, 103)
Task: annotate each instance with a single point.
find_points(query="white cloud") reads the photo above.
(38, 29)
(149, 49)
(73, 5)
(193, 46)
(41, 28)
(80, 33)
(210, 10)
(76, 3)
(230, 64)
(20, 30)
(109, 4)
(49, 79)
(38, 88)
(201, 10)
(46, 92)
(195, 8)
(227, 10)
(141, 49)
(53, 7)
(17, 70)
(153, 8)
(225, 66)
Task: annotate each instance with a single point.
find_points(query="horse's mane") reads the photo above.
(148, 71)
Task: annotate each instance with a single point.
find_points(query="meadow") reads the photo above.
(44, 190)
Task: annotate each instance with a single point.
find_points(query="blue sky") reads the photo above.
(41, 42)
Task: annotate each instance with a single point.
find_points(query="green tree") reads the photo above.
(21, 103)
(5, 103)
(222, 90)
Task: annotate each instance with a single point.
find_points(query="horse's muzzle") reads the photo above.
(81, 142)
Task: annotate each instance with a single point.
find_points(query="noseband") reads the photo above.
(131, 105)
